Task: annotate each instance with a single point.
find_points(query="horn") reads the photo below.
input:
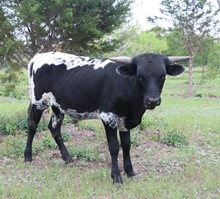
(122, 59)
(173, 59)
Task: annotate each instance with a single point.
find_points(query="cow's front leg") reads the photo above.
(126, 145)
(113, 144)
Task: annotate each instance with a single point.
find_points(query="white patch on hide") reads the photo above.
(31, 88)
(46, 101)
(113, 120)
(54, 121)
(102, 64)
(71, 61)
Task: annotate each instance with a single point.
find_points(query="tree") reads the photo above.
(213, 60)
(81, 24)
(10, 51)
(193, 19)
(31, 26)
(137, 42)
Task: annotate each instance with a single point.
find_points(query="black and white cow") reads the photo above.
(116, 90)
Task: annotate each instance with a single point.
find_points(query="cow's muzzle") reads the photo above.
(152, 102)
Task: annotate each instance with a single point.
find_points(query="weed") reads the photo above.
(135, 138)
(174, 138)
(83, 153)
(145, 123)
(11, 124)
(66, 136)
(13, 146)
(48, 142)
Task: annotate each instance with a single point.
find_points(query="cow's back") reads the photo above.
(57, 80)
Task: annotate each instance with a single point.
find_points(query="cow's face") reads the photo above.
(150, 71)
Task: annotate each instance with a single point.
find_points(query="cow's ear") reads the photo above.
(126, 70)
(174, 69)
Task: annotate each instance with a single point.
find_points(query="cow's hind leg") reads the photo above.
(126, 145)
(55, 128)
(34, 116)
(113, 144)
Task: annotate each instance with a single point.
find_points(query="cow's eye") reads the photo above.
(139, 78)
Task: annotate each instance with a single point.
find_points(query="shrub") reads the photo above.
(174, 138)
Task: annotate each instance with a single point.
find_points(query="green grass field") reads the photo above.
(189, 170)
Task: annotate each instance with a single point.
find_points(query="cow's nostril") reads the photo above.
(153, 100)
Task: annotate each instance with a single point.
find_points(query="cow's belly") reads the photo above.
(108, 118)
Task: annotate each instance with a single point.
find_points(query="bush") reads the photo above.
(174, 138)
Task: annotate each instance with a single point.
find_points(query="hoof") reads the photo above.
(131, 174)
(118, 185)
(117, 180)
(28, 159)
(68, 160)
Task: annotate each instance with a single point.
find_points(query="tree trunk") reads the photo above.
(191, 60)
(203, 68)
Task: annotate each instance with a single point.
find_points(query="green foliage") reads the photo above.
(48, 142)
(83, 153)
(175, 43)
(213, 68)
(137, 42)
(11, 124)
(66, 136)
(145, 123)
(174, 138)
(85, 22)
(13, 146)
(14, 83)
(135, 137)
(10, 50)
(33, 25)
(194, 21)
(152, 121)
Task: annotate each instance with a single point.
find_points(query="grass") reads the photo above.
(189, 171)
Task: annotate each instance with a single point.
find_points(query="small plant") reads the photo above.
(145, 123)
(13, 146)
(135, 138)
(153, 122)
(66, 136)
(48, 142)
(83, 153)
(11, 124)
(174, 138)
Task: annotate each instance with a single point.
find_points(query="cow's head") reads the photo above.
(150, 71)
